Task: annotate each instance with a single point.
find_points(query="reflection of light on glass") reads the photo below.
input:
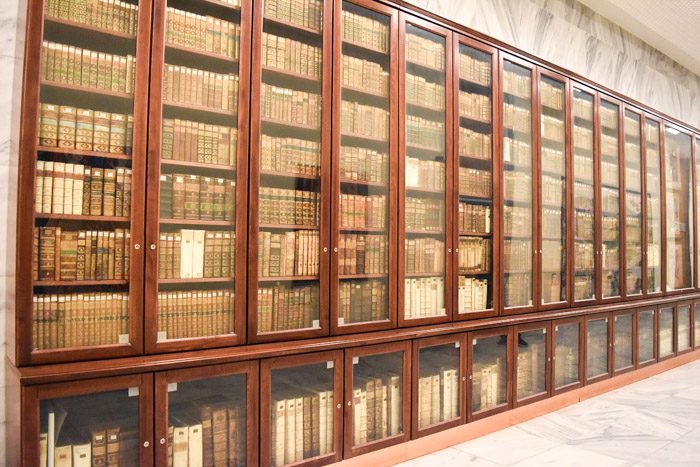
(673, 131)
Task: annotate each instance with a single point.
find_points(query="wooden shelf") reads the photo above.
(364, 229)
(372, 139)
(222, 4)
(199, 108)
(363, 183)
(298, 126)
(88, 90)
(196, 165)
(288, 74)
(88, 28)
(201, 53)
(165, 221)
(473, 273)
(424, 274)
(363, 276)
(432, 191)
(75, 217)
(423, 232)
(475, 158)
(288, 278)
(197, 280)
(416, 147)
(365, 48)
(82, 153)
(290, 25)
(287, 227)
(365, 92)
(464, 233)
(289, 175)
(428, 108)
(83, 283)
(425, 66)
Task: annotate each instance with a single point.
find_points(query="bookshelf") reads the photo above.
(533, 363)
(666, 344)
(683, 328)
(598, 342)
(652, 177)
(489, 365)
(568, 354)
(623, 340)
(633, 202)
(646, 336)
(519, 253)
(678, 207)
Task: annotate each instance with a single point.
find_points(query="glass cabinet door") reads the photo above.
(366, 155)
(696, 155)
(302, 404)
(696, 325)
(610, 197)
(553, 220)
(518, 213)
(474, 147)
(567, 339)
(596, 348)
(633, 204)
(532, 360)
(89, 118)
(584, 197)
(683, 328)
(424, 174)
(622, 341)
(290, 185)
(666, 332)
(438, 384)
(679, 215)
(489, 372)
(652, 133)
(208, 412)
(646, 349)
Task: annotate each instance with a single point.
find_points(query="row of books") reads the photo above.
(517, 118)
(610, 200)
(488, 384)
(363, 165)
(425, 51)
(474, 144)
(611, 258)
(77, 255)
(517, 186)
(518, 255)
(474, 255)
(472, 294)
(114, 15)
(424, 297)
(531, 370)
(188, 254)
(517, 221)
(76, 189)
(290, 105)
(474, 218)
(608, 116)
(438, 396)
(283, 307)
(288, 254)
(517, 84)
(517, 152)
(553, 161)
(287, 54)
(377, 408)
(186, 314)
(552, 128)
(425, 133)
(518, 290)
(79, 320)
(365, 75)
(553, 190)
(583, 138)
(191, 86)
(583, 108)
(422, 92)
(362, 254)
(424, 174)
(289, 155)
(364, 120)
(302, 427)
(427, 215)
(553, 256)
(583, 196)
(610, 228)
(358, 211)
(651, 135)
(554, 223)
(87, 68)
(609, 173)
(474, 69)
(108, 446)
(68, 127)
(551, 96)
(584, 287)
(197, 197)
(362, 301)
(584, 256)
(305, 13)
(185, 140)
(366, 31)
(475, 182)
(475, 106)
(202, 32)
(424, 256)
(281, 206)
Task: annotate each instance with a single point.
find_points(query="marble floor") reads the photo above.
(654, 422)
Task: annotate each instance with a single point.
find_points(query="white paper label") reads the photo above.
(456, 345)
(329, 364)
(355, 360)
(616, 319)
(443, 311)
(544, 331)
(473, 341)
(315, 324)
(172, 387)
(341, 321)
(162, 336)
(556, 328)
(123, 338)
(133, 392)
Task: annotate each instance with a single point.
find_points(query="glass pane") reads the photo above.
(290, 183)
(645, 335)
(517, 181)
(475, 181)
(623, 341)
(424, 256)
(207, 422)
(610, 197)
(302, 413)
(679, 215)
(489, 372)
(95, 429)
(696, 331)
(197, 250)
(363, 251)
(438, 384)
(377, 391)
(83, 175)
(633, 204)
(597, 348)
(566, 352)
(684, 328)
(665, 332)
(653, 207)
(584, 197)
(553, 190)
(532, 363)
(697, 183)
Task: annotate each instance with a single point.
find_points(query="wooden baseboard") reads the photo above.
(444, 439)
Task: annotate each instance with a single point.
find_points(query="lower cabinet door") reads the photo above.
(623, 339)
(696, 325)
(88, 423)
(489, 367)
(568, 353)
(646, 337)
(683, 326)
(207, 416)
(598, 347)
(666, 340)
(532, 363)
(301, 409)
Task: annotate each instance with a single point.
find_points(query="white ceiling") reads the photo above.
(671, 26)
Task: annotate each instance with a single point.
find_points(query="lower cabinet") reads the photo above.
(646, 337)
(623, 342)
(532, 363)
(489, 363)
(666, 338)
(598, 346)
(568, 354)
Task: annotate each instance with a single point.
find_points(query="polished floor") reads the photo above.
(654, 422)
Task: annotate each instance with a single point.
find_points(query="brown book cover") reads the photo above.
(220, 436)
(99, 448)
(113, 447)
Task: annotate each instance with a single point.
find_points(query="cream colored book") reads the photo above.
(180, 446)
(198, 254)
(290, 438)
(330, 406)
(43, 448)
(186, 253)
(396, 405)
(278, 450)
(298, 429)
(82, 455)
(424, 400)
(435, 399)
(64, 456)
(68, 188)
(194, 446)
(322, 421)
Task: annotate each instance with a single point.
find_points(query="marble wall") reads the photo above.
(569, 34)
